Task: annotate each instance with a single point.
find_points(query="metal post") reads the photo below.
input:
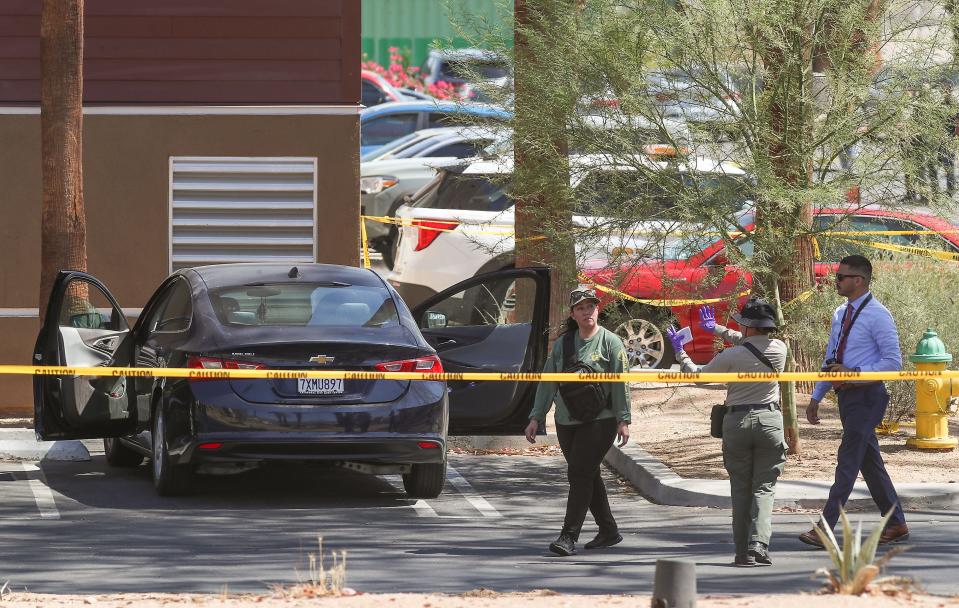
(674, 584)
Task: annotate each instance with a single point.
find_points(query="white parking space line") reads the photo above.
(41, 491)
(463, 487)
(422, 508)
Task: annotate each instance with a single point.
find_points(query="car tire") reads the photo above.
(642, 330)
(389, 248)
(119, 455)
(425, 480)
(168, 479)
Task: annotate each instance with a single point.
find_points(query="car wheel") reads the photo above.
(168, 479)
(646, 343)
(119, 455)
(390, 247)
(425, 480)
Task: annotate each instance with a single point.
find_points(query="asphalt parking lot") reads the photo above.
(82, 527)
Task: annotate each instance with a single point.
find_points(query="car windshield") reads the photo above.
(467, 192)
(485, 70)
(304, 304)
(660, 197)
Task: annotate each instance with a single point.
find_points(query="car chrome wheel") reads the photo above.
(646, 346)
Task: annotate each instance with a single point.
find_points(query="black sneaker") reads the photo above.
(745, 561)
(563, 545)
(759, 551)
(604, 539)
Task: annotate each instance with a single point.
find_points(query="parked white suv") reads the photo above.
(461, 223)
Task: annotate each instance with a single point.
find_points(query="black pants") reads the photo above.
(584, 446)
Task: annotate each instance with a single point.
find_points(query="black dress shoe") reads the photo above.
(759, 552)
(563, 545)
(745, 561)
(604, 539)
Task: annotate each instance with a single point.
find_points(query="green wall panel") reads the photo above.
(415, 25)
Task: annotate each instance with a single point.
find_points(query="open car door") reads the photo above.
(495, 322)
(83, 327)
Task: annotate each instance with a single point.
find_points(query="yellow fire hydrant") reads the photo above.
(932, 396)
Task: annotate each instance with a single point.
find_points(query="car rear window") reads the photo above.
(304, 304)
(464, 192)
(663, 197)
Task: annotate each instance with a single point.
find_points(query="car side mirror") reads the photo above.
(435, 319)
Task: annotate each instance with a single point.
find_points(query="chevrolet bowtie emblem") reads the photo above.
(321, 359)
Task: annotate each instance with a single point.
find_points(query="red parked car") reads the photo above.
(695, 267)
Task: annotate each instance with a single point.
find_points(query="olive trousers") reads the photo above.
(754, 454)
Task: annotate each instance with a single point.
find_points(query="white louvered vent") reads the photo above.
(236, 209)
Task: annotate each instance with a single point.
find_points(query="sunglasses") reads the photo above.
(581, 293)
(840, 276)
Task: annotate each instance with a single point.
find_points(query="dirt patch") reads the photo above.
(472, 599)
(672, 423)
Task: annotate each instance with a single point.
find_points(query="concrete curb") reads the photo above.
(661, 485)
(21, 444)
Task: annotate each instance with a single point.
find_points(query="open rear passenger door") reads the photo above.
(83, 327)
(495, 322)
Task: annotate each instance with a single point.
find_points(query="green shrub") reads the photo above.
(919, 292)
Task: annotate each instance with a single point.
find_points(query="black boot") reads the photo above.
(604, 539)
(564, 545)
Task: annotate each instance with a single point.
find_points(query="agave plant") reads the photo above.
(855, 561)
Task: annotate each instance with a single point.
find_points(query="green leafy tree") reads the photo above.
(820, 102)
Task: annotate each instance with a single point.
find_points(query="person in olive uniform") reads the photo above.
(584, 444)
(754, 447)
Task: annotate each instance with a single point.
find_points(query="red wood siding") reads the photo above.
(196, 51)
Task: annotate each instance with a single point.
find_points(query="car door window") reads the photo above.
(384, 129)
(90, 326)
(924, 241)
(498, 301)
(834, 247)
(461, 149)
(372, 96)
(439, 119)
(176, 311)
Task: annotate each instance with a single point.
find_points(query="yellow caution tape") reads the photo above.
(650, 376)
(657, 302)
(928, 253)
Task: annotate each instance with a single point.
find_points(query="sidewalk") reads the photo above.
(22, 444)
(657, 482)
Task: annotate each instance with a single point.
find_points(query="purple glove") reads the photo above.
(675, 338)
(707, 318)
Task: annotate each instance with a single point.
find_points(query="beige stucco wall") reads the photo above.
(126, 185)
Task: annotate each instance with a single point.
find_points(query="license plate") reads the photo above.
(320, 386)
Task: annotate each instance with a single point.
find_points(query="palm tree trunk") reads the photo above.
(63, 219)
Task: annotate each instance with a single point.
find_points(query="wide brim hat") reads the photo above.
(583, 293)
(756, 313)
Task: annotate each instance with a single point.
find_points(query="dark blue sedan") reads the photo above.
(303, 317)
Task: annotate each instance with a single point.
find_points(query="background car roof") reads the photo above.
(452, 107)
(224, 275)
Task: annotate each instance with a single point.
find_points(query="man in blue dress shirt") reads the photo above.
(863, 338)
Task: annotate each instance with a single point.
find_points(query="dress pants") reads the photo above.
(584, 446)
(754, 454)
(861, 409)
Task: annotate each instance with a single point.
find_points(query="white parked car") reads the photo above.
(461, 223)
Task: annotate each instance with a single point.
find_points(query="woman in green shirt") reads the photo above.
(584, 444)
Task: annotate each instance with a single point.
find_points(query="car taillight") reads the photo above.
(428, 230)
(197, 362)
(431, 365)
